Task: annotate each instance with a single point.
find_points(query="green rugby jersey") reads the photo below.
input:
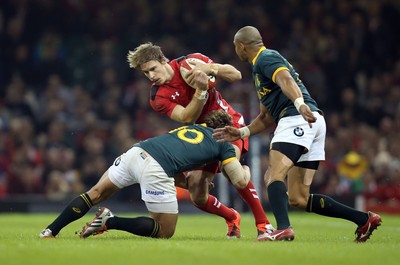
(186, 148)
(265, 66)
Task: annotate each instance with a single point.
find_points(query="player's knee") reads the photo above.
(240, 178)
(198, 192)
(198, 200)
(198, 196)
(241, 184)
(166, 233)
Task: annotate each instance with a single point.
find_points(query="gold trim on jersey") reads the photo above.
(277, 71)
(258, 53)
(226, 161)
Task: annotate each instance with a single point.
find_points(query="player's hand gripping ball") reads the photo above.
(188, 64)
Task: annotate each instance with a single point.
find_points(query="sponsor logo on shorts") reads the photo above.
(298, 131)
(155, 192)
(143, 155)
(117, 161)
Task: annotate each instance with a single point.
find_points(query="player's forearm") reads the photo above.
(193, 110)
(293, 92)
(290, 88)
(258, 125)
(225, 71)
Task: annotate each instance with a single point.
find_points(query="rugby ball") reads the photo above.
(187, 65)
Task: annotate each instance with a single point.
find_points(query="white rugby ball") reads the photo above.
(187, 65)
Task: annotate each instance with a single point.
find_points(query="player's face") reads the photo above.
(155, 71)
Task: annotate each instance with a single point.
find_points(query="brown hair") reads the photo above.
(218, 119)
(144, 53)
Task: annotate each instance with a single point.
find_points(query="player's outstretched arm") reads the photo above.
(226, 134)
(225, 71)
(263, 121)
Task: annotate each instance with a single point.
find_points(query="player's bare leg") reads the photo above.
(80, 205)
(250, 196)
(299, 181)
(167, 223)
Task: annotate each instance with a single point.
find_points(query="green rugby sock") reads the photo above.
(77, 208)
(141, 226)
(277, 194)
(324, 205)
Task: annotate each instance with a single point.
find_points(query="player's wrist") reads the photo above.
(201, 94)
(298, 102)
(213, 69)
(244, 132)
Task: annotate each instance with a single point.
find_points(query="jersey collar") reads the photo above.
(258, 53)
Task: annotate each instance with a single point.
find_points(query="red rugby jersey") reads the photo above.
(164, 98)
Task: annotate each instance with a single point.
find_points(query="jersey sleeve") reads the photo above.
(273, 65)
(161, 102)
(227, 153)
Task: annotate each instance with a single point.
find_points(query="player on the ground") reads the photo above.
(172, 96)
(153, 163)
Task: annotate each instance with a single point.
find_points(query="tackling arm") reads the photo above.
(263, 121)
(229, 134)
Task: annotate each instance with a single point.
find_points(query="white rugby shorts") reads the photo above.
(157, 189)
(296, 130)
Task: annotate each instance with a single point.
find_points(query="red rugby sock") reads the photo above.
(250, 196)
(214, 206)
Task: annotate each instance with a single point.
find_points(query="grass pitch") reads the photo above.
(199, 239)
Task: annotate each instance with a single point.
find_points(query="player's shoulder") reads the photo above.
(159, 92)
(269, 57)
(270, 54)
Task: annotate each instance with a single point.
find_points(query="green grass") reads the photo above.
(199, 239)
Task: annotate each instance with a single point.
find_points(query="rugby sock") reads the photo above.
(327, 206)
(77, 208)
(141, 226)
(250, 196)
(214, 206)
(277, 194)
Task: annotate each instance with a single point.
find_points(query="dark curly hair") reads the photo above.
(218, 119)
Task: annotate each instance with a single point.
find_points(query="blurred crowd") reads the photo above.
(69, 103)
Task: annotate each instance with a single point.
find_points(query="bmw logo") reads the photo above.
(298, 131)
